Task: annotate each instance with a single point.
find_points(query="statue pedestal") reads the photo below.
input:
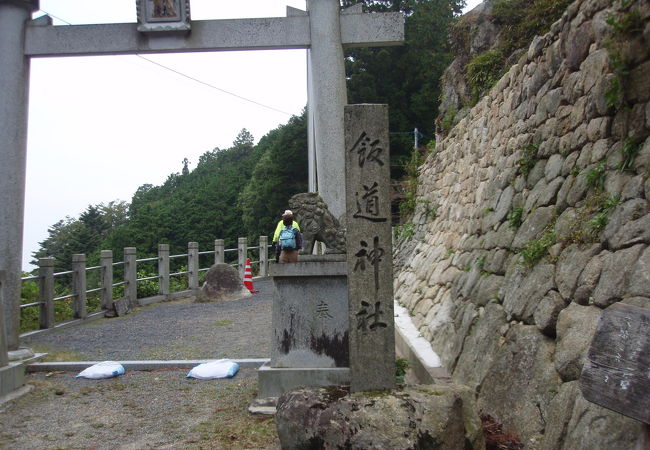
(310, 326)
(12, 376)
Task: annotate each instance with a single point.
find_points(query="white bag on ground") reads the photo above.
(221, 368)
(105, 369)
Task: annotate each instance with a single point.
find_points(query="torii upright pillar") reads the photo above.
(14, 84)
(327, 98)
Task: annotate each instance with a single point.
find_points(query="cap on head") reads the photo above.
(287, 213)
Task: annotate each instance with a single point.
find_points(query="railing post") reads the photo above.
(79, 285)
(106, 263)
(4, 357)
(218, 251)
(193, 265)
(46, 292)
(241, 253)
(163, 269)
(130, 277)
(264, 255)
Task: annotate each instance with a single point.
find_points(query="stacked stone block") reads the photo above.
(553, 164)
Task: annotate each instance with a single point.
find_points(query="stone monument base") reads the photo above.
(310, 328)
(273, 382)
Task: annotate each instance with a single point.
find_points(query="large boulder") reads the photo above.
(520, 382)
(576, 326)
(574, 423)
(222, 284)
(422, 416)
(484, 338)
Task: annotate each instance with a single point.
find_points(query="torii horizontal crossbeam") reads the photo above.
(357, 30)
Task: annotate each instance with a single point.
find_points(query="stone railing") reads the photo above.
(78, 287)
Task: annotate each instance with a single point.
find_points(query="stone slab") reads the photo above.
(331, 257)
(273, 382)
(309, 269)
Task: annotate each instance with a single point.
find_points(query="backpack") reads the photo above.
(287, 238)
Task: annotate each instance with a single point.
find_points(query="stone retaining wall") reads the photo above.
(532, 217)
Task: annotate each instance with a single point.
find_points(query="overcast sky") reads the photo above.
(99, 127)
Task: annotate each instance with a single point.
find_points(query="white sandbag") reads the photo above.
(221, 368)
(104, 369)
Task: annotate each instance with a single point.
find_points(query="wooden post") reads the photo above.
(218, 251)
(264, 255)
(130, 277)
(4, 357)
(46, 292)
(241, 255)
(79, 285)
(106, 263)
(193, 265)
(163, 269)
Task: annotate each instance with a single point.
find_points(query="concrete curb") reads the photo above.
(92, 316)
(419, 371)
(76, 366)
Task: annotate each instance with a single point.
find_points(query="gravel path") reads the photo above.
(154, 409)
(174, 330)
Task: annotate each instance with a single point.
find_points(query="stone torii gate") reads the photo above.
(324, 30)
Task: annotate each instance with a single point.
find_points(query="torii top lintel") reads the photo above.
(292, 32)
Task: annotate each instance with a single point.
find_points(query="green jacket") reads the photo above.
(276, 235)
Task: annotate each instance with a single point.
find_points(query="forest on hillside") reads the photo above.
(239, 191)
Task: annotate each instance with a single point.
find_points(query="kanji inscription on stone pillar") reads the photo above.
(369, 248)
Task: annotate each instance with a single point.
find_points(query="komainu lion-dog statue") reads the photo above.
(317, 223)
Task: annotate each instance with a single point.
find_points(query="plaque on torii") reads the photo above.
(163, 15)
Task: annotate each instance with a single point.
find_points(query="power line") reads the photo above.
(212, 86)
(192, 78)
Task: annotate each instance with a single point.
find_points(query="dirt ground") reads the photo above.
(148, 409)
(139, 410)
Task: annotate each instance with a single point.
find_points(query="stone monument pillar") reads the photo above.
(369, 248)
(14, 83)
(327, 98)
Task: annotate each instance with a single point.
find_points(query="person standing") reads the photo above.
(287, 238)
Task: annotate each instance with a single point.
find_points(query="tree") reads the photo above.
(244, 138)
(280, 173)
(83, 235)
(406, 77)
(58, 243)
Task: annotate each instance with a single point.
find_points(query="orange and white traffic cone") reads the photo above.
(248, 277)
